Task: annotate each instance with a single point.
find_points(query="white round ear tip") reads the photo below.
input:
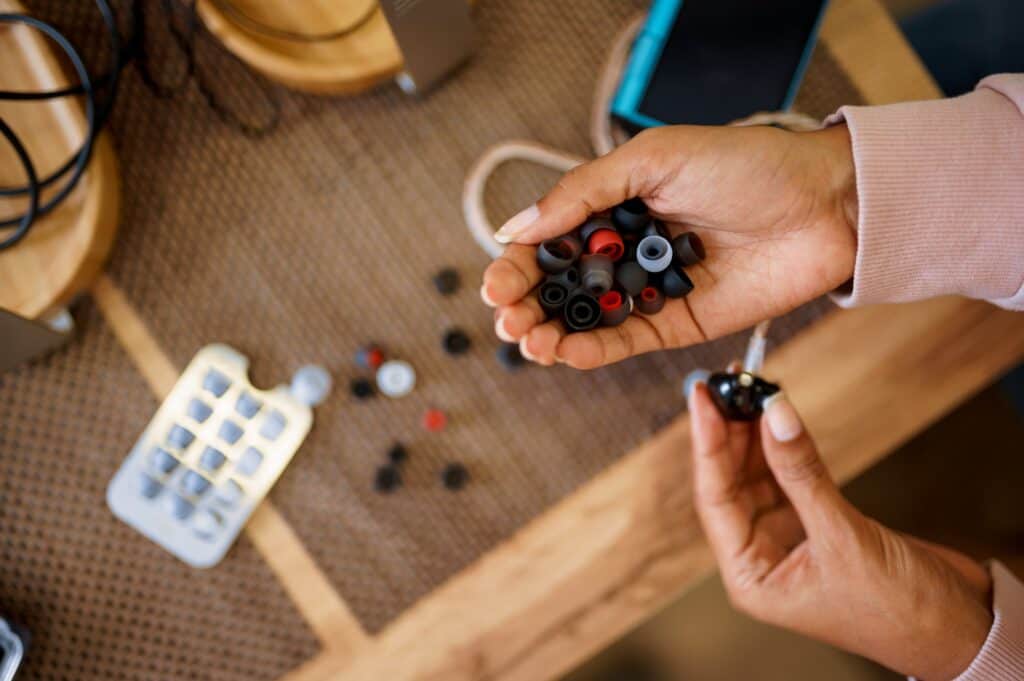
(692, 378)
(311, 384)
(396, 378)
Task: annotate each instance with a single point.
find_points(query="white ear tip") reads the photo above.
(311, 384)
(692, 378)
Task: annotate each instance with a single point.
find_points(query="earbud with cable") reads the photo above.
(740, 395)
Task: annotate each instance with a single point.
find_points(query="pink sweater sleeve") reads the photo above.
(1002, 656)
(940, 189)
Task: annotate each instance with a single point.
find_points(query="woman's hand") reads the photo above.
(775, 210)
(793, 552)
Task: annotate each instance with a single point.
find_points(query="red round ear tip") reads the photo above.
(649, 293)
(610, 301)
(434, 420)
(606, 242)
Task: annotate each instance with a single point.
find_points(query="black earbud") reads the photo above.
(740, 397)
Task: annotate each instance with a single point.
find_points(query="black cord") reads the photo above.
(134, 49)
(29, 216)
(233, 12)
(98, 115)
(80, 159)
(78, 162)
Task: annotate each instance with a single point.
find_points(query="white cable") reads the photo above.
(476, 182)
(604, 134)
(756, 347)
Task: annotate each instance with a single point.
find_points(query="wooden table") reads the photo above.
(627, 543)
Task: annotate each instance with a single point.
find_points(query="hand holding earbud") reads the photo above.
(793, 552)
(775, 211)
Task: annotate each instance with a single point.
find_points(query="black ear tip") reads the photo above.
(552, 296)
(676, 283)
(688, 249)
(631, 215)
(582, 312)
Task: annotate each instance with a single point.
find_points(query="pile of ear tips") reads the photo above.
(613, 265)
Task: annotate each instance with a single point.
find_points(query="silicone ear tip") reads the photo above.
(552, 296)
(606, 242)
(610, 301)
(597, 273)
(568, 279)
(631, 277)
(614, 310)
(654, 253)
(595, 224)
(631, 215)
(582, 312)
(629, 242)
(692, 378)
(656, 228)
(688, 249)
(558, 254)
(650, 300)
(676, 283)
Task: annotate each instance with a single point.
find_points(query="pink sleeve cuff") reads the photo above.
(1002, 656)
(940, 189)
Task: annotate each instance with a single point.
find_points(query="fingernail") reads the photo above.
(484, 296)
(692, 380)
(525, 352)
(517, 224)
(502, 332)
(783, 421)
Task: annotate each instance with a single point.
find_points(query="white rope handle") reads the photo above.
(476, 182)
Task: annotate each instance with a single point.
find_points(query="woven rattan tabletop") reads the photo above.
(301, 246)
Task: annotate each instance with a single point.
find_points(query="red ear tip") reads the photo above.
(610, 301)
(434, 420)
(606, 242)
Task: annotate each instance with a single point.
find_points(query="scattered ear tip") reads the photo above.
(695, 378)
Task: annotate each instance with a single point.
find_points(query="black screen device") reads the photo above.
(711, 62)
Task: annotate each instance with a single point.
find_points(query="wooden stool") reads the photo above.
(66, 248)
(350, 64)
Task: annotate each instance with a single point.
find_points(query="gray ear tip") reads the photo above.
(559, 253)
(597, 273)
(592, 225)
(631, 277)
(654, 253)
